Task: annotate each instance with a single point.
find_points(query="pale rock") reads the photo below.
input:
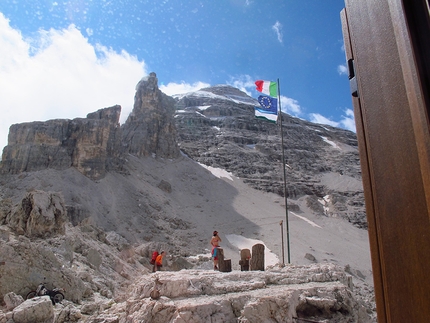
(217, 127)
(106, 318)
(41, 214)
(117, 240)
(318, 292)
(9, 316)
(89, 308)
(68, 313)
(94, 258)
(38, 309)
(12, 300)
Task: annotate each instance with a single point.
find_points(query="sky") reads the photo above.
(65, 59)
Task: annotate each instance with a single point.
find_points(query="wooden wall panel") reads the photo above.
(364, 160)
(393, 150)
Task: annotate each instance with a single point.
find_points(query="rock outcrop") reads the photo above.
(150, 128)
(217, 128)
(38, 309)
(40, 214)
(95, 144)
(12, 300)
(84, 202)
(91, 145)
(214, 126)
(316, 292)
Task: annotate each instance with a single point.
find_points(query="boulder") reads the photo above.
(165, 186)
(40, 214)
(68, 314)
(38, 309)
(12, 300)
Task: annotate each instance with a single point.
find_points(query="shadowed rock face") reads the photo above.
(215, 126)
(94, 145)
(90, 144)
(150, 128)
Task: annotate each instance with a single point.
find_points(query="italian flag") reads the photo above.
(267, 87)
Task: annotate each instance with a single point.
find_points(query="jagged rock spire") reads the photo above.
(94, 145)
(150, 128)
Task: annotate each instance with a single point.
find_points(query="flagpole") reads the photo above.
(283, 165)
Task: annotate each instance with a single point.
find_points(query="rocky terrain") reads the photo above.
(84, 202)
(217, 128)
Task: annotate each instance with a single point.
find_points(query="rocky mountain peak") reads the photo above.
(85, 202)
(217, 127)
(96, 144)
(150, 128)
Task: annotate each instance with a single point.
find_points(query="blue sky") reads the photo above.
(64, 59)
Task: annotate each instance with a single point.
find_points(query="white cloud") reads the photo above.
(277, 27)
(342, 70)
(347, 121)
(318, 118)
(246, 83)
(58, 74)
(243, 83)
(181, 88)
(291, 106)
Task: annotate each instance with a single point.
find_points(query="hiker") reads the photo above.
(215, 244)
(159, 261)
(153, 258)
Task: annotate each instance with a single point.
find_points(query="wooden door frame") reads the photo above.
(388, 41)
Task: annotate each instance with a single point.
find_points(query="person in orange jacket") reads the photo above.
(159, 261)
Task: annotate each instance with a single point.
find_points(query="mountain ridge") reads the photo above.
(152, 194)
(228, 136)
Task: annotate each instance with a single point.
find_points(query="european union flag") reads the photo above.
(268, 103)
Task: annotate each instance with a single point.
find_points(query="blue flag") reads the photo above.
(268, 104)
(268, 108)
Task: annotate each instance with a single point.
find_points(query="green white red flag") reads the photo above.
(267, 87)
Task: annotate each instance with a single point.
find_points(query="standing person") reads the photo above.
(154, 257)
(159, 261)
(215, 244)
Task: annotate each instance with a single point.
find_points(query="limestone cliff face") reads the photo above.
(217, 127)
(90, 144)
(150, 128)
(95, 144)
